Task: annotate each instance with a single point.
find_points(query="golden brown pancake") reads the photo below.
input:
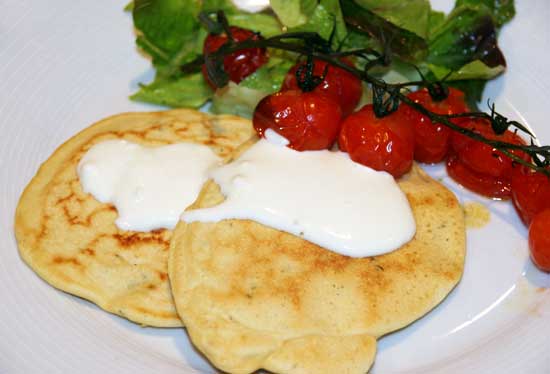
(254, 297)
(70, 239)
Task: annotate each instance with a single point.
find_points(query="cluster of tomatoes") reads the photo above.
(325, 115)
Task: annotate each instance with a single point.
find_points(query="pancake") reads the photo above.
(254, 297)
(70, 239)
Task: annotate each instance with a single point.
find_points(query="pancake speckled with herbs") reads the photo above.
(254, 297)
(70, 239)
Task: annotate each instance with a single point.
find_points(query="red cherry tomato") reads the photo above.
(482, 157)
(431, 142)
(539, 240)
(308, 120)
(238, 65)
(530, 193)
(343, 86)
(478, 166)
(486, 185)
(380, 143)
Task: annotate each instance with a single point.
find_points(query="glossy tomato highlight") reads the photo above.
(344, 87)
(431, 143)
(478, 166)
(530, 193)
(238, 65)
(308, 120)
(384, 144)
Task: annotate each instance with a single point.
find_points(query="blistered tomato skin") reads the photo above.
(481, 157)
(539, 240)
(308, 120)
(384, 144)
(530, 193)
(496, 188)
(478, 166)
(343, 86)
(432, 140)
(240, 64)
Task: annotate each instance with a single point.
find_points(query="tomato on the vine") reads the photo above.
(431, 143)
(343, 86)
(530, 193)
(308, 120)
(238, 65)
(480, 167)
(539, 240)
(384, 144)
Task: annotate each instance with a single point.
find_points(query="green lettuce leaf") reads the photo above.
(269, 77)
(402, 43)
(190, 91)
(436, 19)
(464, 49)
(410, 15)
(467, 35)
(473, 70)
(241, 99)
(293, 13)
(211, 6)
(166, 23)
(326, 18)
(265, 24)
(169, 32)
(236, 99)
(502, 11)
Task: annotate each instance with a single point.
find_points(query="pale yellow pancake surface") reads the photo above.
(254, 297)
(70, 239)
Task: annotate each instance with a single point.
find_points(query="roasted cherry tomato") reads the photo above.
(539, 240)
(530, 193)
(497, 188)
(308, 120)
(431, 142)
(343, 86)
(478, 166)
(385, 143)
(238, 65)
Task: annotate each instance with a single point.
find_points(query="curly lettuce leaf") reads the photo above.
(189, 91)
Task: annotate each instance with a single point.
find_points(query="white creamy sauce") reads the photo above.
(149, 186)
(321, 196)
(252, 6)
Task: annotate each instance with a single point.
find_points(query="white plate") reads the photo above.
(67, 63)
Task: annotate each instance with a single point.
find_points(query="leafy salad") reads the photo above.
(460, 47)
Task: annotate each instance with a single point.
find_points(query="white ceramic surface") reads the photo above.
(67, 63)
